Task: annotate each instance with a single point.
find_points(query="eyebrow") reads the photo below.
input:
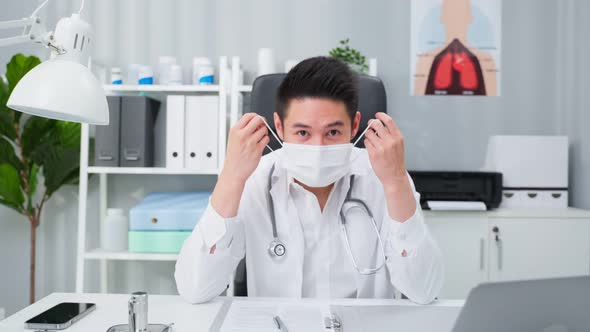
(333, 124)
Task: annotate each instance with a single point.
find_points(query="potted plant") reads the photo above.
(37, 156)
(353, 57)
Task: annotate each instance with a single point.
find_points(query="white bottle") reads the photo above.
(203, 71)
(175, 75)
(266, 61)
(116, 77)
(145, 76)
(115, 229)
(164, 65)
(132, 73)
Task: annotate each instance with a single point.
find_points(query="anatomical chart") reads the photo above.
(455, 47)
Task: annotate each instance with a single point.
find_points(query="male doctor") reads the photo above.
(302, 215)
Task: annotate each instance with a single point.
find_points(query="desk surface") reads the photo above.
(111, 309)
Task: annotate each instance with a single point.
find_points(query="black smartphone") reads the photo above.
(60, 316)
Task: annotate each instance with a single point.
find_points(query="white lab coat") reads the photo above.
(317, 262)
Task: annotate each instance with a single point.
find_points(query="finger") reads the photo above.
(371, 134)
(259, 134)
(254, 124)
(379, 128)
(245, 120)
(369, 145)
(263, 143)
(388, 121)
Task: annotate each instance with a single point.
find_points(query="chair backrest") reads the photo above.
(372, 99)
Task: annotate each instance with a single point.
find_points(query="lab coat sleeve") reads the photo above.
(419, 274)
(202, 273)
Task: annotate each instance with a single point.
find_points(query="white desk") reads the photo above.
(112, 309)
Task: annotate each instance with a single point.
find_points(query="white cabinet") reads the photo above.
(539, 248)
(505, 245)
(463, 240)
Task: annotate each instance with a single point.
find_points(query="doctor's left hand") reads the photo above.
(385, 145)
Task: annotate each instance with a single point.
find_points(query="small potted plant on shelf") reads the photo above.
(353, 57)
(37, 156)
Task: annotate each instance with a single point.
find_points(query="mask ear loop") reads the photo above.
(272, 132)
(364, 131)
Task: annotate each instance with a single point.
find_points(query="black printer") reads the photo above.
(450, 186)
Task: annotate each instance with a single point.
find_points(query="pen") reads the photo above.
(279, 324)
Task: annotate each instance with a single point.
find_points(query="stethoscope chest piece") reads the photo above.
(277, 249)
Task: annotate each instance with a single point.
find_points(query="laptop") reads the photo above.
(548, 305)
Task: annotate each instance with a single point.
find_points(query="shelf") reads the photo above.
(149, 170)
(128, 256)
(245, 88)
(161, 88)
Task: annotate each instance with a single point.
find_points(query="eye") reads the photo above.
(302, 133)
(334, 132)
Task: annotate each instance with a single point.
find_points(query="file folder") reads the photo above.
(201, 132)
(175, 131)
(138, 116)
(106, 141)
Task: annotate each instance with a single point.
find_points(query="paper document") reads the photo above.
(256, 316)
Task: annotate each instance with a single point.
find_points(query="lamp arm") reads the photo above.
(34, 31)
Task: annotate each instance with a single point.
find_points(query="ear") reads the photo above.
(355, 124)
(278, 125)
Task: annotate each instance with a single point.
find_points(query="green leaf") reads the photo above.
(8, 155)
(58, 162)
(33, 179)
(37, 131)
(68, 134)
(10, 191)
(55, 147)
(11, 205)
(18, 67)
(7, 123)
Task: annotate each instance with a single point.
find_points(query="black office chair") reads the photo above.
(372, 99)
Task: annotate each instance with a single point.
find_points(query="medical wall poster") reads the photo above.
(455, 47)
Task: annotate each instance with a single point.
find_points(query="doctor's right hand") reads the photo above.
(245, 144)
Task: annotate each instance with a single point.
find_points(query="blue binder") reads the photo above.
(177, 211)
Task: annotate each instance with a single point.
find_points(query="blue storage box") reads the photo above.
(178, 211)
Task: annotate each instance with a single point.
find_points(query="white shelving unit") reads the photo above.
(149, 170)
(84, 253)
(110, 88)
(128, 256)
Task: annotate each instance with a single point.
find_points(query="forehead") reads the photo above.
(315, 111)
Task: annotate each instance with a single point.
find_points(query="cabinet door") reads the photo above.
(541, 248)
(462, 239)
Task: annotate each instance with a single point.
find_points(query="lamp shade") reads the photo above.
(62, 90)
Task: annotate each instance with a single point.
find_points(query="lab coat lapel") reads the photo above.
(290, 232)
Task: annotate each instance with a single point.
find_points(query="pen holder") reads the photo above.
(138, 317)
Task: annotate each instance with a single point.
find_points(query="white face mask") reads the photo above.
(316, 165)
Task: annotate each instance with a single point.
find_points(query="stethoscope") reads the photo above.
(277, 249)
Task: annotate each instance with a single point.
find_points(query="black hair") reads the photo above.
(319, 77)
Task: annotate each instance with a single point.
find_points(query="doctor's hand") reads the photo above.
(385, 145)
(246, 142)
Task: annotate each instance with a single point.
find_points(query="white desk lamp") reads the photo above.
(62, 87)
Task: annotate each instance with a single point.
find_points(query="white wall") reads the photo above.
(545, 52)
